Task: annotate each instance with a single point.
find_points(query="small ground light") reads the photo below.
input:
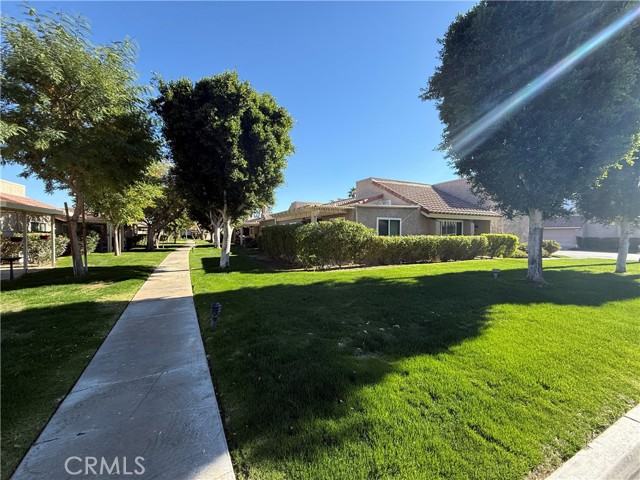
(495, 271)
(215, 311)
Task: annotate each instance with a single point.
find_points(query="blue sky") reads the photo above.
(348, 72)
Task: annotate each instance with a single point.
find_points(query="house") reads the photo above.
(568, 229)
(393, 207)
(21, 214)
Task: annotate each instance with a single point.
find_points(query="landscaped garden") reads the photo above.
(52, 325)
(417, 371)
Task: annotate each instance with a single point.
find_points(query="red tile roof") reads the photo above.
(431, 199)
(18, 201)
(352, 201)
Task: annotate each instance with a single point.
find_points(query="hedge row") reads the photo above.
(339, 242)
(608, 244)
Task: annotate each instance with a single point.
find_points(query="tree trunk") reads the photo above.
(623, 247)
(534, 270)
(76, 251)
(151, 234)
(117, 241)
(226, 241)
(216, 235)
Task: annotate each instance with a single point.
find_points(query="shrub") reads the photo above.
(38, 249)
(398, 250)
(331, 243)
(501, 245)
(550, 246)
(92, 241)
(462, 248)
(608, 244)
(279, 242)
(9, 248)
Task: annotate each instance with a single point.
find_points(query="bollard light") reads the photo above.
(215, 311)
(495, 271)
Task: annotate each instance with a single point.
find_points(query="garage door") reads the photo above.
(564, 236)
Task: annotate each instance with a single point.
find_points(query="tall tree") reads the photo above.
(615, 198)
(72, 113)
(126, 205)
(229, 144)
(168, 206)
(537, 100)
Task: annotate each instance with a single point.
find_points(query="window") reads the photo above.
(448, 227)
(389, 226)
(38, 227)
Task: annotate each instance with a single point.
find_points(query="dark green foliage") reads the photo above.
(229, 142)
(336, 242)
(560, 140)
(340, 241)
(501, 245)
(408, 249)
(279, 242)
(608, 244)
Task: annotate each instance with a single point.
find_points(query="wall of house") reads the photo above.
(566, 237)
(11, 222)
(412, 222)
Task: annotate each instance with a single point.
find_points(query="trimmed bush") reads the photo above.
(501, 245)
(550, 246)
(279, 242)
(340, 241)
(608, 244)
(331, 243)
(397, 250)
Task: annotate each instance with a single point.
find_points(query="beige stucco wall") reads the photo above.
(412, 222)
(11, 188)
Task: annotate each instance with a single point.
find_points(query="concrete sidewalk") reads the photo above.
(145, 406)
(613, 455)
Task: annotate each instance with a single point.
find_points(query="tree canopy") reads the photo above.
(72, 112)
(229, 144)
(615, 198)
(534, 107)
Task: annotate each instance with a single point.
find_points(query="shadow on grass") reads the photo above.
(64, 276)
(44, 352)
(290, 353)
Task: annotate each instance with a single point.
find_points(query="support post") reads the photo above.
(109, 239)
(25, 242)
(53, 240)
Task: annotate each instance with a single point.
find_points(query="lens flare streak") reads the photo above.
(463, 143)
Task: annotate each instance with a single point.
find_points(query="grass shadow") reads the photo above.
(44, 352)
(293, 353)
(64, 276)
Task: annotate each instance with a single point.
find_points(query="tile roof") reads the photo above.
(16, 201)
(571, 221)
(431, 199)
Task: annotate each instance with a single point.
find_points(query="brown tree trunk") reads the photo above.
(534, 269)
(623, 246)
(151, 233)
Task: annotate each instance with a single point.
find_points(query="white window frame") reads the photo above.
(461, 222)
(389, 218)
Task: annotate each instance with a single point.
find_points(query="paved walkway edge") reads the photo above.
(613, 455)
(145, 406)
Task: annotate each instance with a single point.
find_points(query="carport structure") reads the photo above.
(23, 208)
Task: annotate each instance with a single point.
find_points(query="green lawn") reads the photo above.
(52, 325)
(417, 371)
